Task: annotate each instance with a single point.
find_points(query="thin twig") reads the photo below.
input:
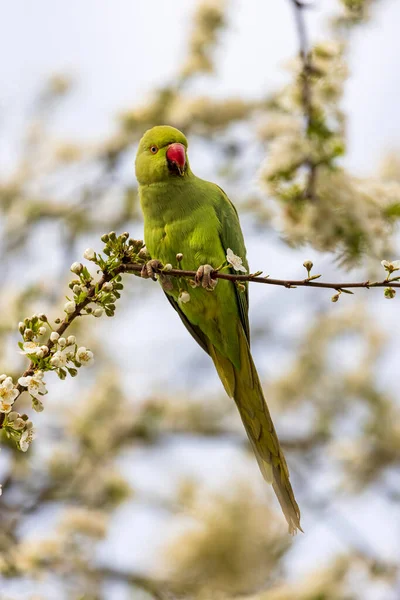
(306, 95)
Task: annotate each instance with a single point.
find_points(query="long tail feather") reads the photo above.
(244, 386)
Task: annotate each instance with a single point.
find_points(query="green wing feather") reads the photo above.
(231, 236)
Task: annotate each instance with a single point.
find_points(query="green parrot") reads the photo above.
(187, 215)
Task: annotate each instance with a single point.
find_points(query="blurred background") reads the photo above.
(141, 484)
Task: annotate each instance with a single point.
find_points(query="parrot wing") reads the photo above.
(231, 237)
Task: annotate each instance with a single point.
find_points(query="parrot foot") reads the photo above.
(203, 277)
(148, 269)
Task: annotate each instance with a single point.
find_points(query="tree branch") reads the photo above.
(287, 283)
(124, 256)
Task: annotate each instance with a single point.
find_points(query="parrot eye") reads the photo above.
(153, 149)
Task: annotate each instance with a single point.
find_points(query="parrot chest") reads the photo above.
(196, 236)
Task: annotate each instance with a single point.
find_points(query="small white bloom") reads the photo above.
(390, 266)
(69, 307)
(30, 348)
(89, 254)
(235, 261)
(98, 312)
(60, 358)
(14, 419)
(107, 286)
(26, 439)
(71, 340)
(76, 267)
(8, 393)
(54, 336)
(34, 384)
(184, 297)
(42, 330)
(84, 356)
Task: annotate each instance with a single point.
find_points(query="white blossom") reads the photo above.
(84, 356)
(27, 437)
(31, 349)
(34, 383)
(8, 393)
(14, 419)
(60, 358)
(69, 307)
(184, 297)
(393, 265)
(89, 254)
(235, 261)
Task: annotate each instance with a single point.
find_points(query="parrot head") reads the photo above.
(162, 155)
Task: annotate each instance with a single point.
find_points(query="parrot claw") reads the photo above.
(203, 277)
(148, 272)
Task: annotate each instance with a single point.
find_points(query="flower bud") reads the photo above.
(76, 289)
(69, 307)
(71, 340)
(98, 312)
(107, 286)
(89, 254)
(179, 256)
(335, 298)
(308, 264)
(28, 334)
(76, 267)
(62, 342)
(104, 238)
(42, 330)
(21, 327)
(390, 293)
(54, 336)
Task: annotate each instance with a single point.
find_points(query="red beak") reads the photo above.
(176, 156)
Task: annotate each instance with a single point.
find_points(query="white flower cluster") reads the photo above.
(66, 350)
(21, 428)
(8, 393)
